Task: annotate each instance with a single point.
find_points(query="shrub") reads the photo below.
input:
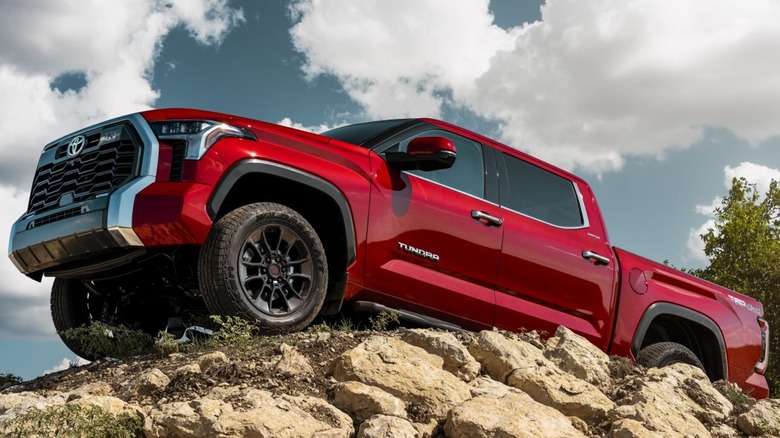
(70, 420)
(102, 340)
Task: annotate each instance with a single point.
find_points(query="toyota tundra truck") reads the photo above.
(173, 213)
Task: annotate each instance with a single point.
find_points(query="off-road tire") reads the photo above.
(662, 354)
(230, 251)
(69, 309)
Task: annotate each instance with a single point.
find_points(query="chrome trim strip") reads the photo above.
(406, 172)
(125, 236)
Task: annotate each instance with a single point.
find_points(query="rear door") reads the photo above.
(426, 252)
(557, 267)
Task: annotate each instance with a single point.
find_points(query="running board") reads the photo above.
(416, 318)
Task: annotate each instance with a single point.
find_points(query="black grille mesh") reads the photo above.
(98, 169)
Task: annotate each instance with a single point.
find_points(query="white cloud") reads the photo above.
(394, 57)
(590, 84)
(315, 129)
(114, 45)
(66, 363)
(24, 303)
(753, 173)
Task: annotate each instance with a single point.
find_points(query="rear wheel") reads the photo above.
(264, 262)
(662, 354)
(79, 303)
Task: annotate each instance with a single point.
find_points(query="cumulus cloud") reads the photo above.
(66, 363)
(397, 58)
(317, 129)
(588, 85)
(114, 46)
(757, 174)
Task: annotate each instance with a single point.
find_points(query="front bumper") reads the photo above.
(79, 230)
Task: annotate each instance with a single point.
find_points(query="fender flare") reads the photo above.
(255, 166)
(659, 309)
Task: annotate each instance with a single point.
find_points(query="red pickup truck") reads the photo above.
(166, 214)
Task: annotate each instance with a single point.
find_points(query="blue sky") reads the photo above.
(656, 103)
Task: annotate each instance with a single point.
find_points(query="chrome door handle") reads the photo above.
(488, 219)
(595, 258)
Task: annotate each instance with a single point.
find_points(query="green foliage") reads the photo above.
(741, 401)
(233, 330)
(744, 253)
(166, 343)
(9, 379)
(72, 420)
(102, 340)
(384, 320)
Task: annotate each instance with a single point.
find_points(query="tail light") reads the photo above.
(764, 360)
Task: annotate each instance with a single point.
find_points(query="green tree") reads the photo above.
(744, 253)
(9, 379)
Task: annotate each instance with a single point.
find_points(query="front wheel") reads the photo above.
(264, 262)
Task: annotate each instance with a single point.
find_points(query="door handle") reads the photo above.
(595, 258)
(488, 219)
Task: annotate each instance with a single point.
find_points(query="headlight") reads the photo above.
(199, 135)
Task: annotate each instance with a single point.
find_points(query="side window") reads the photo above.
(468, 172)
(541, 194)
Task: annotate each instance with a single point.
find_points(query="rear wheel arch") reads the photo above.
(666, 322)
(317, 200)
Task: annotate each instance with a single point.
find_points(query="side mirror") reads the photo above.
(424, 153)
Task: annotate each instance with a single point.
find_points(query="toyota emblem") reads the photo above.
(76, 145)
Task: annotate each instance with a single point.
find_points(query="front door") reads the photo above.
(426, 250)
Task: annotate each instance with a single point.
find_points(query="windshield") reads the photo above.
(360, 133)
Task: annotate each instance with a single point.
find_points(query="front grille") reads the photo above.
(108, 160)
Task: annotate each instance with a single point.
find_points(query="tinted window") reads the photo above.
(541, 194)
(361, 132)
(468, 172)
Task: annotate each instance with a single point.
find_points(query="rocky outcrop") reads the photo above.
(412, 383)
(575, 355)
(408, 372)
(263, 416)
(523, 366)
(762, 419)
(456, 356)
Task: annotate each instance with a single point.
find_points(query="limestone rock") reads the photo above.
(267, 416)
(457, 358)
(576, 355)
(523, 366)
(341, 424)
(628, 428)
(211, 360)
(17, 403)
(112, 405)
(363, 401)
(292, 363)
(762, 418)
(512, 415)
(151, 381)
(408, 372)
(676, 400)
(385, 426)
(91, 389)
(189, 368)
